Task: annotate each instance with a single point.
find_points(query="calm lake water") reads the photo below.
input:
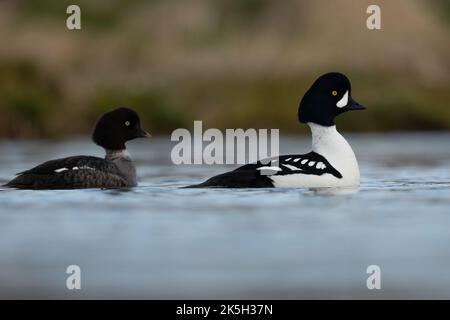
(160, 241)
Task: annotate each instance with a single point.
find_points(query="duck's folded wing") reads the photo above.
(70, 173)
(311, 163)
(72, 163)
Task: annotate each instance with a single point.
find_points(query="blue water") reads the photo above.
(160, 241)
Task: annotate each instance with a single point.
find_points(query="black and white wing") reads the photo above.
(70, 173)
(311, 163)
(257, 175)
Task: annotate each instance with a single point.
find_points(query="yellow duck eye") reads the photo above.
(127, 123)
(334, 93)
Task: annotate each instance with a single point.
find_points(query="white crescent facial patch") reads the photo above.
(344, 100)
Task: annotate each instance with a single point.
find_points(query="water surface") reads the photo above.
(160, 241)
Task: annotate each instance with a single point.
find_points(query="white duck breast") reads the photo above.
(332, 163)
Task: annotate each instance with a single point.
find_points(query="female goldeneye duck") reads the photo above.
(331, 163)
(116, 170)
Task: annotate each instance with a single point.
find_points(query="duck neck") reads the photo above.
(326, 139)
(122, 159)
(113, 155)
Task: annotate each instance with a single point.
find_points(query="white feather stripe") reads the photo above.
(293, 168)
(269, 168)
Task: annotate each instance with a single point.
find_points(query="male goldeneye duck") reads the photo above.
(331, 163)
(116, 170)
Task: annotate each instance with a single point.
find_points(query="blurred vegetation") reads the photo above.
(150, 105)
(99, 15)
(442, 7)
(230, 63)
(28, 96)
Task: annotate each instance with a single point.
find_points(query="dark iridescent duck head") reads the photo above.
(116, 127)
(328, 97)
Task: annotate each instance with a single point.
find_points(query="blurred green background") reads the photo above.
(230, 63)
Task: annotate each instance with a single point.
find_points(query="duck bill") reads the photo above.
(353, 105)
(144, 134)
